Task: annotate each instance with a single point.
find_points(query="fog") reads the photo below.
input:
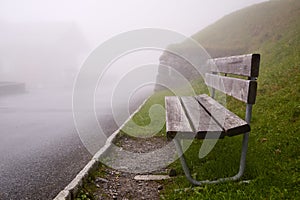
(43, 45)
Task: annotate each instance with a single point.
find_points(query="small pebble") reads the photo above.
(160, 187)
(101, 180)
(172, 172)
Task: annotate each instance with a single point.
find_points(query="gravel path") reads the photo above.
(117, 181)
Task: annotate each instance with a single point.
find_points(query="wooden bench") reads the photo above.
(202, 117)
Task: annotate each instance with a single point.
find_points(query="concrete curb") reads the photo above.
(71, 190)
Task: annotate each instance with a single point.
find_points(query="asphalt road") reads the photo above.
(40, 150)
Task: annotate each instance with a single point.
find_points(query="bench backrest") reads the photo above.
(243, 65)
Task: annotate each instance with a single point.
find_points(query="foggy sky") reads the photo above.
(102, 19)
(45, 42)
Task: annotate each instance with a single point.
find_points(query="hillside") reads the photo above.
(273, 160)
(273, 30)
(252, 29)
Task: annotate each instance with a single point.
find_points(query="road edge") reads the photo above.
(71, 190)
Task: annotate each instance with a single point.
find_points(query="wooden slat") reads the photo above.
(243, 65)
(243, 90)
(202, 122)
(176, 120)
(231, 123)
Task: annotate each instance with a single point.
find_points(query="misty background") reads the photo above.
(44, 44)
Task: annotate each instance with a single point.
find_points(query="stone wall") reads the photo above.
(176, 66)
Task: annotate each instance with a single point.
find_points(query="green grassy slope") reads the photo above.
(250, 29)
(273, 160)
(273, 164)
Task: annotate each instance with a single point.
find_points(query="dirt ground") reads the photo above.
(117, 181)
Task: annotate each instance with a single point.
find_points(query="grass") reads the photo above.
(273, 157)
(87, 190)
(273, 160)
(246, 30)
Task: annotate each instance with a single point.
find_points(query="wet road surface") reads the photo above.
(40, 150)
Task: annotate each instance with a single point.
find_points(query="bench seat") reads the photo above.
(201, 117)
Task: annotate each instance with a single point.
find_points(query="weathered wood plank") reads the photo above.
(176, 120)
(243, 90)
(231, 123)
(243, 65)
(201, 121)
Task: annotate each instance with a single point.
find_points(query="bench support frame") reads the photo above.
(242, 159)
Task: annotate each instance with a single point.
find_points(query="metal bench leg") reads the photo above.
(184, 165)
(242, 159)
(233, 178)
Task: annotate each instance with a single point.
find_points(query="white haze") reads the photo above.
(44, 43)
